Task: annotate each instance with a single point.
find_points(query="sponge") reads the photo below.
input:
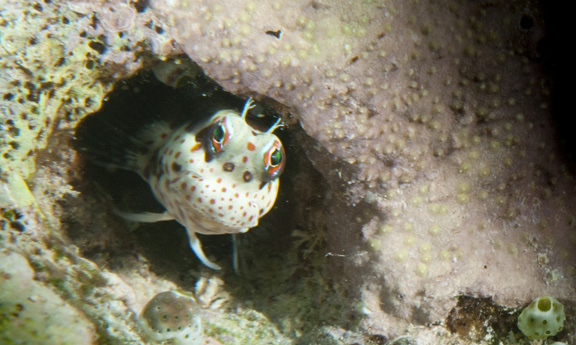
(542, 318)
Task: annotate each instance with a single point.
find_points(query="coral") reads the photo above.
(429, 121)
(438, 115)
(26, 307)
(52, 66)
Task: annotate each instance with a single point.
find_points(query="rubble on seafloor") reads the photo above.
(426, 198)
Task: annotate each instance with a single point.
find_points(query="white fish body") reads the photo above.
(216, 177)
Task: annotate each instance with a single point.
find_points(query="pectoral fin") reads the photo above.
(145, 217)
(197, 248)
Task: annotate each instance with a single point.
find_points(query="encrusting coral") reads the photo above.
(439, 117)
(430, 121)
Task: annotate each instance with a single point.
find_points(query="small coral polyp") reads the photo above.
(544, 317)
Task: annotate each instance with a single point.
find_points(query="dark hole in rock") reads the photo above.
(285, 255)
(101, 139)
(526, 22)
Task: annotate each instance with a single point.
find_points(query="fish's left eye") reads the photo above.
(274, 160)
(220, 137)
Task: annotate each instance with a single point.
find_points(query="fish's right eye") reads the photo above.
(220, 137)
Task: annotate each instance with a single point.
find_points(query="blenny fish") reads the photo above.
(218, 176)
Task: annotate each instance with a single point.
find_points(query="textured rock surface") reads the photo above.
(429, 120)
(27, 307)
(438, 115)
(57, 61)
(56, 65)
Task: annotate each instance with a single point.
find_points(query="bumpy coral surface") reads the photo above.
(429, 120)
(437, 114)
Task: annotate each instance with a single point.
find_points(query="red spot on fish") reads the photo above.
(177, 154)
(218, 180)
(196, 147)
(212, 201)
(223, 190)
(244, 159)
(250, 146)
(199, 200)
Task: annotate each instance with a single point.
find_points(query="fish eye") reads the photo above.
(274, 160)
(220, 137)
(218, 134)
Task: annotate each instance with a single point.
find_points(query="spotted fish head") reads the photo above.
(231, 141)
(221, 176)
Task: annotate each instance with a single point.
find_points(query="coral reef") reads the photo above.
(27, 309)
(446, 202)
(55, 68)
(438, 115)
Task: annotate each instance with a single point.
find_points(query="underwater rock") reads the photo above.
(438, 117)
(430, 121)
(27, 309)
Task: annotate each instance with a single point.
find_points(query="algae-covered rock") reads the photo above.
(31, 313)
(429, 121)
